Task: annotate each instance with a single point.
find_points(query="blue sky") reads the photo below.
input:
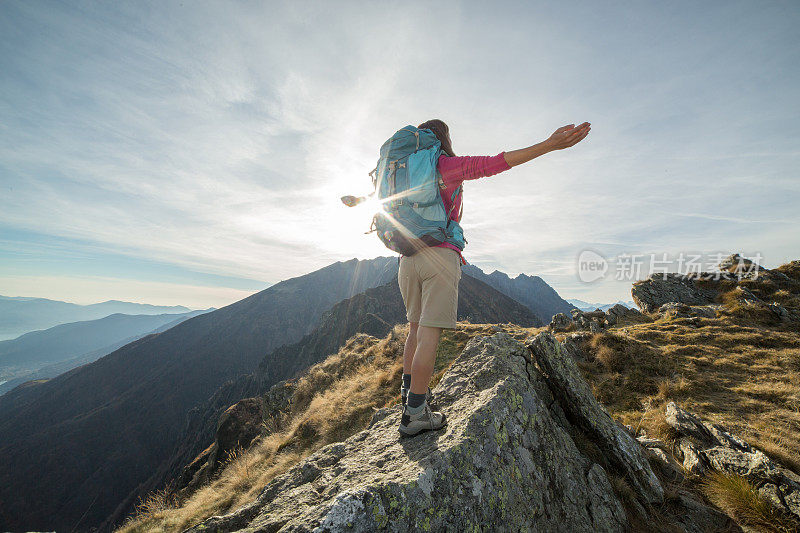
(193, 153)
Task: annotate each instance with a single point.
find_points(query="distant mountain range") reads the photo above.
(115, 427)
(19, 315)
(531, 291)
(586, 306)
(50, 352)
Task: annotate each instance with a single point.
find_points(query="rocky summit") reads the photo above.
(526, 448)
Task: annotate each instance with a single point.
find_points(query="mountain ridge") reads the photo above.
(531, 291)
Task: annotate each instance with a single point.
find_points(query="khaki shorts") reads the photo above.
(429, 285)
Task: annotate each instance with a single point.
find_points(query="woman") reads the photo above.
(429, 278)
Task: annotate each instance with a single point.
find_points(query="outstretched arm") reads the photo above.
(563, 137)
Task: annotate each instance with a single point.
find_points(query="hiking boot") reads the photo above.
(404, 395)
(425, 420)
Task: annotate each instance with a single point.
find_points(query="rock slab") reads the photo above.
(507, 460)
(705, 446)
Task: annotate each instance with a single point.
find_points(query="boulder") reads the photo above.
(576, 399)
(696, 517)
(705, 447)
(748, 298)
(741, 266)
(508, 459)
(753, 465)
(688, 425)
(660, 289)
(560, 323)
(574, 344)
(592, 321)
(693, 461)
(780, 311)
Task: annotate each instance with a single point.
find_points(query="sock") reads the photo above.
(415, 400)
(406, 381)
(415, 410)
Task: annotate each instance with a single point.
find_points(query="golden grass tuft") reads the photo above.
(740, 499)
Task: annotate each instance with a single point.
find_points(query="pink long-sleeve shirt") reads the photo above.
(456, 170)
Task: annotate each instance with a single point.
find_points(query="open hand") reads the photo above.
(569, 135)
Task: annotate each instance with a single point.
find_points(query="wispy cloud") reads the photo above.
(218, 138)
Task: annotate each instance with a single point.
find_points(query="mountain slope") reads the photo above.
(374, 312)
(20, 315)
(531, 291)
(108, 425)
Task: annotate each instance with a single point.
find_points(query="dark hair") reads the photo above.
(440, 129)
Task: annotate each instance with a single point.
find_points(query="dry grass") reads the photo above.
(741, 370)
(740, 499)
(745, 378)
(332, 401)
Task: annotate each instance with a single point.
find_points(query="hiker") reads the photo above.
(429, 278)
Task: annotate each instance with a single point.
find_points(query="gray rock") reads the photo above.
(593, 321)
(575, 397)
(741, 266)
(772, 493)
(705, 447)
(753, 465)
(792, 500)
(560, 322)
(670, 469)
(660, 289)
(696, 517)
(688, 425)
(780, 311)
(693, 461)
(573, 344)
(724, 438)
(505, 462)
(647, 442)
(618, 310)
(748, 298)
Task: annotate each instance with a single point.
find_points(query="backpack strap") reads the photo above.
(456, 193)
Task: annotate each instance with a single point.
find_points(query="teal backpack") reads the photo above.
(412, 214)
